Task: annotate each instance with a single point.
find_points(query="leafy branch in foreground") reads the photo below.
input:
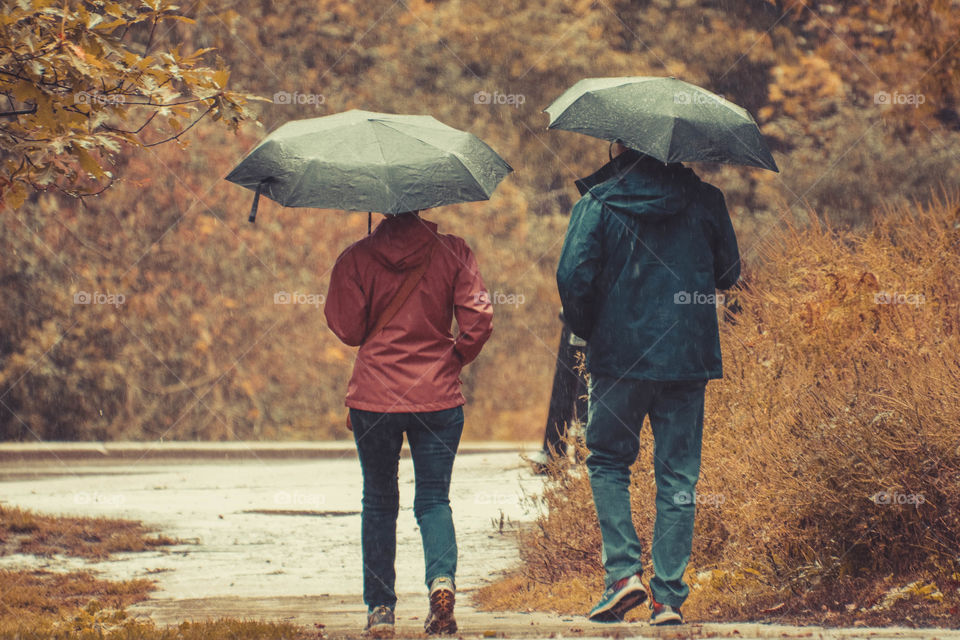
(82, 79)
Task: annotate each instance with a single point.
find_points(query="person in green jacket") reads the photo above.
(647, 247)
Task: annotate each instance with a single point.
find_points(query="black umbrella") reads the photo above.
(367, 161)
(671, 120)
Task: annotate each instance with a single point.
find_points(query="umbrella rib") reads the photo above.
(295, 185)
(388, 124)
(430, 144)
(383, 157)
(470, 174)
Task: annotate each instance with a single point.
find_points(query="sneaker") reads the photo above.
(442, 597)
(664, 614)
(616, 601)
(380, 622)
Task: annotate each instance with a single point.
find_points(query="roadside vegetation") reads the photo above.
(148, 311)
(830, 487)
(77, 605)
(23, 531)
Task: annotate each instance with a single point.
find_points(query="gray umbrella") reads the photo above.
(367, 161)
(666, 118)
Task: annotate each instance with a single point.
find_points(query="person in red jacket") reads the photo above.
(395, 294)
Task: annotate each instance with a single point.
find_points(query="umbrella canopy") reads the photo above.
(368, 161)
(671, 120)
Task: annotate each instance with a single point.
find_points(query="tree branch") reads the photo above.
(183, 131)
(18, 112)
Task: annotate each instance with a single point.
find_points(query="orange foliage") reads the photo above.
(198, 349)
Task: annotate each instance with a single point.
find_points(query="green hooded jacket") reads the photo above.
(647, 246)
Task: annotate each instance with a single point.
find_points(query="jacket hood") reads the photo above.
(400, 242)
(637, 184)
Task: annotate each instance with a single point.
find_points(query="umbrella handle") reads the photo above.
(256, 202)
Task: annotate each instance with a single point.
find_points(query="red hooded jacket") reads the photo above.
(413, 364)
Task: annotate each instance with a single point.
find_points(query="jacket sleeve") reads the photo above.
(726, 254)
(580, 265)
(346, 304)
(472, 308)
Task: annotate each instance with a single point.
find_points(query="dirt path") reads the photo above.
(276, 536)
(344, 618)
(268, 527)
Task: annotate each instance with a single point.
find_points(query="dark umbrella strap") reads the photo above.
(256, 203)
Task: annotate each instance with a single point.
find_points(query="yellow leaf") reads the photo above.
(88, 162)
(220, 77)
(24, 91)
(15, 195)
(110, 26)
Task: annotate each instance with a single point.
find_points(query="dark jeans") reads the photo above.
(617, 410)
(433, 437)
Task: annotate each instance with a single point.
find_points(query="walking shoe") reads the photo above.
(380, 622)
(616, 601)
(442, 598)
(664, 614)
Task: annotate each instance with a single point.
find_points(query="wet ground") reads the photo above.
(268, 527)
(272, 532)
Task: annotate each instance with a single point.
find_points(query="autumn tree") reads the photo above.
(82, 79)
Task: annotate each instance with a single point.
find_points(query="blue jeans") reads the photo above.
(433, 437)
(615, 415)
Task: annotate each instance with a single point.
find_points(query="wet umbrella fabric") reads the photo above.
(671, 120)
(368, 161)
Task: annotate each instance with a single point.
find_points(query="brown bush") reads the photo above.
(831, 460)
(199, 351)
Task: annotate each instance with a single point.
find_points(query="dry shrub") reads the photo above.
(23, 531)
(54, 605)
(41, 605)
(199, 351)
(831, 461)
(34, 601)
